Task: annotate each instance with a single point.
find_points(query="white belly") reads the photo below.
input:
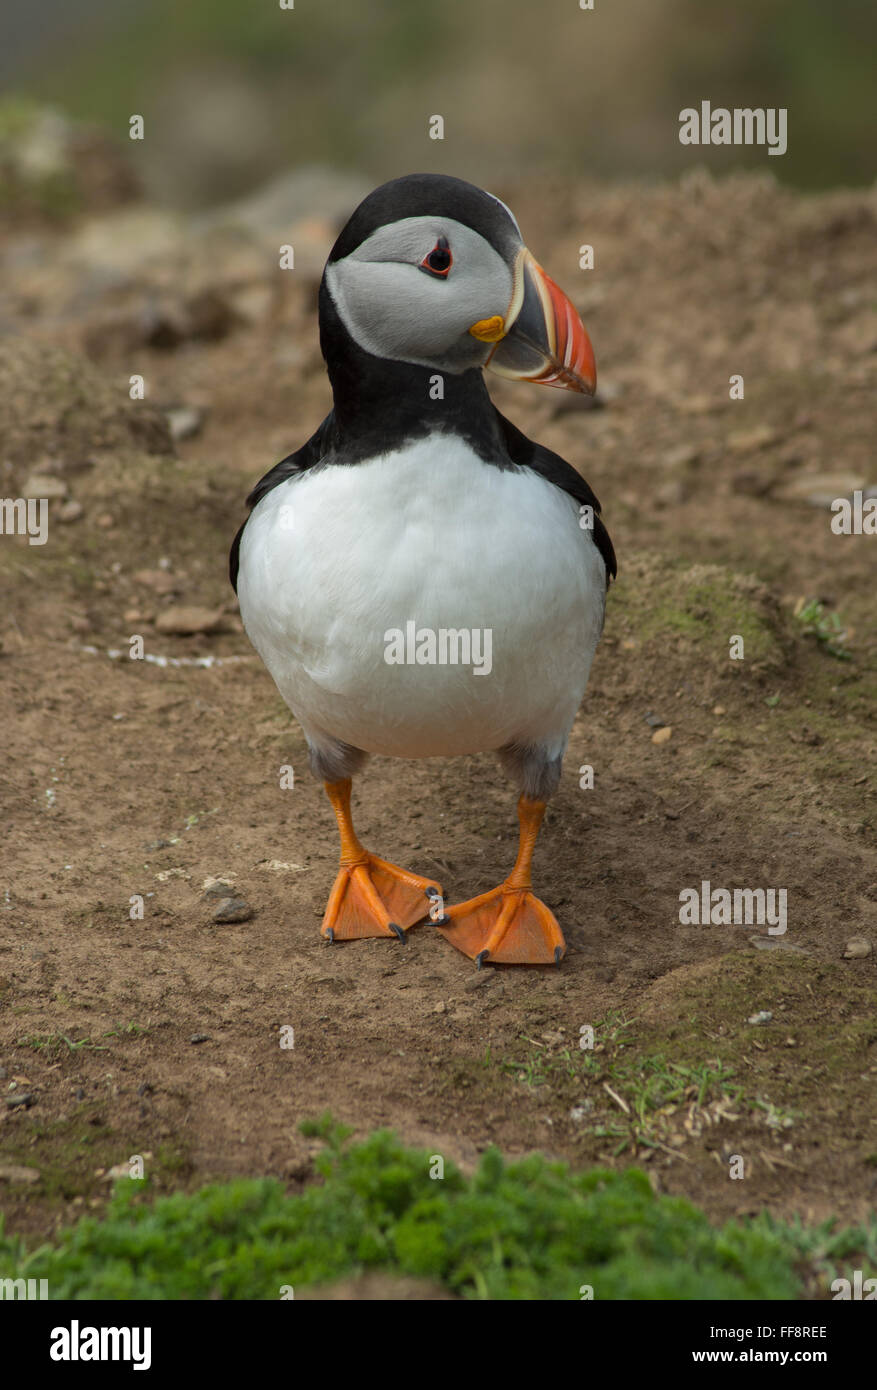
(427, 540)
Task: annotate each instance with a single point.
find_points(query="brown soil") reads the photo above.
(124, 777)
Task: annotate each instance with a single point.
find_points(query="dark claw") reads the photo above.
(432, 892)
(443, 922)
(558, 955)
(398, 930)
(482, 956)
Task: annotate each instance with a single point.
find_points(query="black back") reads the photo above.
(527, 454)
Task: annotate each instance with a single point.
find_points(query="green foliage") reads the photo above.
(528, 1229)
(636, 1098)
(826, 628)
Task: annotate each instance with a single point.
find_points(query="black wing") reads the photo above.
(551, 466)
(305, 457)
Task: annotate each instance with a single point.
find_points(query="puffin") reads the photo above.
(420, 578)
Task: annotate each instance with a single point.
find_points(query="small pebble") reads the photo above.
(200, 1038)
(12, 1172)
(233, 910)
(819, 489)
(581, 1111)
(763, 1016)
(183, 621)
(857, 948)
(681, 457)
(219, 889)
(776, 943)
(44, 485)
(119, 1170)
(159, 581)
(184, 421)
(748, 441)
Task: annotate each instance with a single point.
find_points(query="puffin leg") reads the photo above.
(370, 897)
(509, 925)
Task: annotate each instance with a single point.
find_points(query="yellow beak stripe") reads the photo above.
(489, 330)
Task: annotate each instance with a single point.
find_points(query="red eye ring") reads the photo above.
(439, 260)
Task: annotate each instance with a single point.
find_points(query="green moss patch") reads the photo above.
(528, 1229)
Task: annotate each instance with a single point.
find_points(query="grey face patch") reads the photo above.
(393, 309)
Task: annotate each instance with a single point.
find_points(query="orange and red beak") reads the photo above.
(543, 339)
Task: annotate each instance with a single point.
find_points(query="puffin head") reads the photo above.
(432, 271)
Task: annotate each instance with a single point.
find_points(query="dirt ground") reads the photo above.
(161, 1036)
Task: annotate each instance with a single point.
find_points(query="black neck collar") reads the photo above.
(382, 405)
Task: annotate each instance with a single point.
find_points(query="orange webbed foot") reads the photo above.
(508, 926)
(375, 898)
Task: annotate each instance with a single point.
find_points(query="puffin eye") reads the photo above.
(439, 260)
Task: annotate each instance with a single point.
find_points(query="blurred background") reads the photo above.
(233, 92)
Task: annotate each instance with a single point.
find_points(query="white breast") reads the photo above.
(337, 560)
